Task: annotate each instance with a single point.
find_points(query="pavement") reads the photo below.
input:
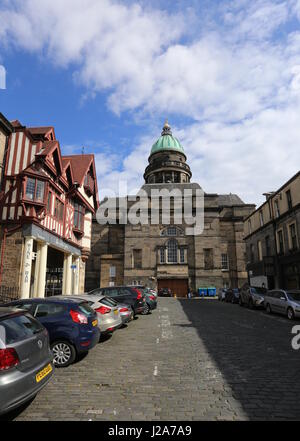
(188, 360)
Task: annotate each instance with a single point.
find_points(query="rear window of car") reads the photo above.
(258, 290)
(108, 302)
(86, 309)
(17, 328)
(46, 309)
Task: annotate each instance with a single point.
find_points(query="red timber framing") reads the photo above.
(41, 186)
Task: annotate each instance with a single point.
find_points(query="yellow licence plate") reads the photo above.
(95, 323)
(43, 373)
(116, 311)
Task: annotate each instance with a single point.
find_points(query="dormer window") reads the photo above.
(35, 190)
(78, 216)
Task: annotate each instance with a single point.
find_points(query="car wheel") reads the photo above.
(290, 314)
(268, 309)
(146, 309)
(63, 353)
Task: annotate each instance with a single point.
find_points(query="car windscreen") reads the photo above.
(294, 295)
(18, 327)
(108, 302)
(86, 309)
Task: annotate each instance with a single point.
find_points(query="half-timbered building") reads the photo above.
(46, 206)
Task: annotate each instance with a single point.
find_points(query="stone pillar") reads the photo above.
(42, 270)
(37, 269)
(76, 275)
(67, 282)
(26, 269)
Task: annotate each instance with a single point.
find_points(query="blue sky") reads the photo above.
(106, 74)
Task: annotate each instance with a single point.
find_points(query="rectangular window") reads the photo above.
(208, 258)
(59, 210)
(277, 211)
(112, 271)
(162, 255)
(289, 199)
(280, 242)
(293, 237)
(267, 242)
(49, 202)
(78, 216)
(259, 250)
(252, 253)
(137, 259)
(261, 217)
(35, 190)
(249, 226)
(182, 259)
(224, 261)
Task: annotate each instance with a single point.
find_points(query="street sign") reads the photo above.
(73, 266)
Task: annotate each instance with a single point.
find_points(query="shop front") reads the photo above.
(50, 265)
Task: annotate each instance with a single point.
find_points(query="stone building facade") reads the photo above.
(164, 255)
(272, 235)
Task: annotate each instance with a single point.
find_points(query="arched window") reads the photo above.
(172, 251)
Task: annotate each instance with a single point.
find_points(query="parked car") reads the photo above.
(146, 289)
(165, 292)
(151, 302)
(71, 324)
(232, 295)
(283, 302)
(252, 296)
(109, 318)
(126, 312)
(124, 294)
(25, 358)
(221, 294)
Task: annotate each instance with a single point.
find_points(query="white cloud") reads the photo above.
(239, 80)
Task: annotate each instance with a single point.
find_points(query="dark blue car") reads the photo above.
(71, 324)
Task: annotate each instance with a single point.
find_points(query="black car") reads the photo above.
(71, 324)
(232, 295)
(165, 292)
(124, 294)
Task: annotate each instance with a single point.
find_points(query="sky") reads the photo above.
(106, 74)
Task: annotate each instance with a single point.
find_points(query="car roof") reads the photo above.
(89, 296)
(9, 310)
(60, 299)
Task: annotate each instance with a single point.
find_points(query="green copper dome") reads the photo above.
(167, 141)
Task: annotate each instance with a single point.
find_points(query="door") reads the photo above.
(178, 287)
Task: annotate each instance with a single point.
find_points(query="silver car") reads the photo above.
(286, 302)
(109, 318)
(25, 358)
(126, 312)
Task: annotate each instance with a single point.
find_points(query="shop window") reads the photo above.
(35, 190)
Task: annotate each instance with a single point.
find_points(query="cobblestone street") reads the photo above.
(188, 360)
